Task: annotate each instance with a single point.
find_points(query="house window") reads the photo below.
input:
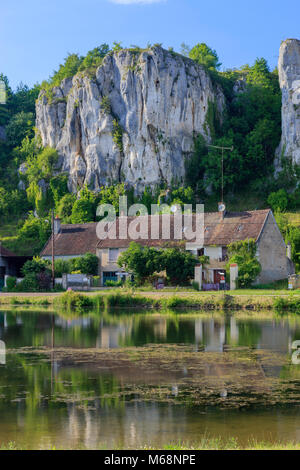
(200, 252)
(224, 253)
(113, 254)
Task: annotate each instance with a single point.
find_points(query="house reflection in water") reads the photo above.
(211, 334)
(113, 336)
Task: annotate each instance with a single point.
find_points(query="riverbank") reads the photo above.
(217, 301)
(203, 444)
(176, 379)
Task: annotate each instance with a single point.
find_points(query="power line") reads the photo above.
(222, 148)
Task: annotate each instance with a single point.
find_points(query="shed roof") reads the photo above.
(5, 253)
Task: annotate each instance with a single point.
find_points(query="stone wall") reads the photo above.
(271, 252)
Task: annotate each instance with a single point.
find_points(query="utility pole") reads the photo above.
(53, 255)
(222, 148)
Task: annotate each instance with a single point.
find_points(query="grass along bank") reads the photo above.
(218, 301)
(203, 444)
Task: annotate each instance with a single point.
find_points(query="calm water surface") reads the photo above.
(136, 380)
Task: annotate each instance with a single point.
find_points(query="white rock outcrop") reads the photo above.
(289, 77)
(134, 122)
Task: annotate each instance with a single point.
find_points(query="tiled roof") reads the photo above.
(217, 231)
(82, 238)
(6, 253)
(234, 227)
(72, 240)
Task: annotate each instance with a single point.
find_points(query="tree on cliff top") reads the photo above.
(204, 55)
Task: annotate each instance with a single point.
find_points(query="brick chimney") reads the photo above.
(57, 225)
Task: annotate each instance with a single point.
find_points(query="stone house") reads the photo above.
(220, 230)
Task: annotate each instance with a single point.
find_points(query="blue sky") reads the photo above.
(36, 35)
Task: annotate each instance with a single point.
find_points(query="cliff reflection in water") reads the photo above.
(138, 379)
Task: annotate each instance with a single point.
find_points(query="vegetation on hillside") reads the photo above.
(251, 126)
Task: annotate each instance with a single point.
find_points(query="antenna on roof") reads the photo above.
(222, 148)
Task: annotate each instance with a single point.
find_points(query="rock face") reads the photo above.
(133, 122)
(289, 77)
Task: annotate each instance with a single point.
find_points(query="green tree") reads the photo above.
(65, 206)
(43, 187)
(293, 236)
(24, 98)
(33, 235)
(259, 73)
(117, 46)
(94, 57)
(37, 275)
(142, 261)
(46, 162)
(182, 195)
(147, 198)
(243, 253)
(5, 109)
(278, 200)
(179, 265)
(62, 266)
(204, 55)
(68, 69)
(19, 126)
(195, 166)
(111, 195)
(35, 266)
(84, 208)
(59, 187)
(86, 264)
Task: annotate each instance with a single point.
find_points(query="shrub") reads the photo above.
(87, 264)
(175, 302)
(62, 266)
(279, 200)
(11, 283)
(113, 283)
(65, 206)
(243, 253)
(28, 284)
(118, 299)
(74, 299)
(283, 304)
(35, 266)
(179, 265)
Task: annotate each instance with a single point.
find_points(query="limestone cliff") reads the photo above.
(289, 77)
(134, 121)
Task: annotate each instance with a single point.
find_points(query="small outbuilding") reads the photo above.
(10, 264)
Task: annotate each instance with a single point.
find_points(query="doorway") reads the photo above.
(2, 277)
